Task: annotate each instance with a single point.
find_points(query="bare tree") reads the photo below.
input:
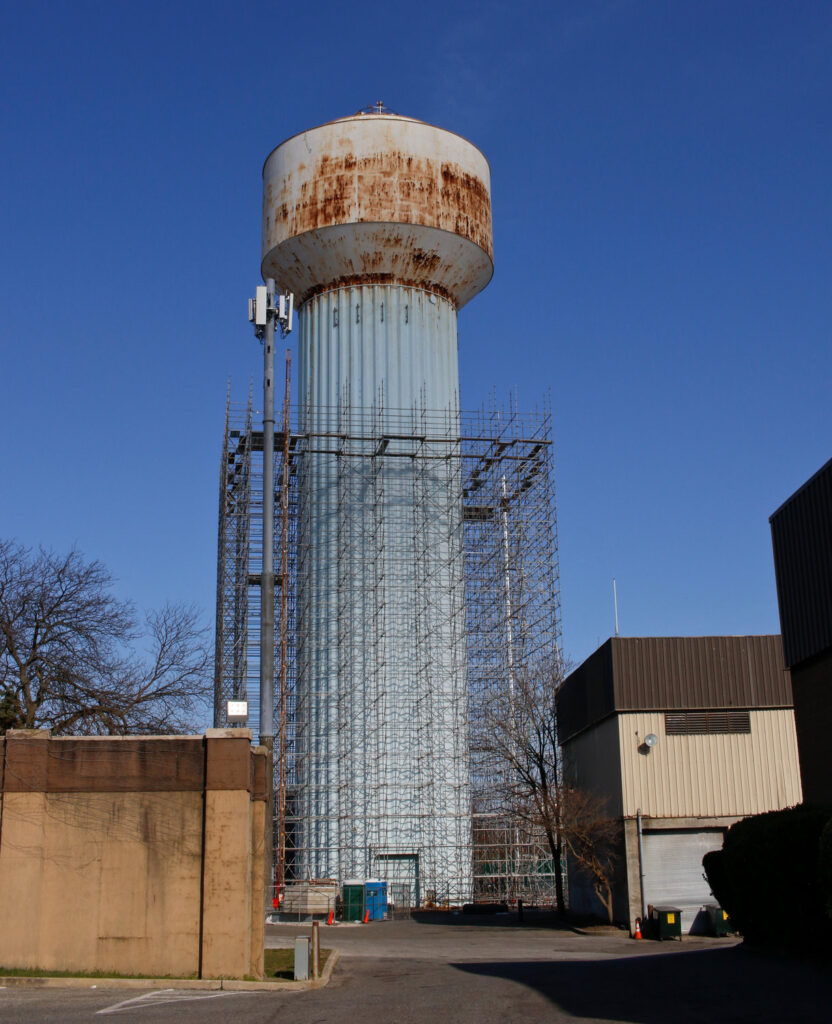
(68, 652)
(590, 835)
(519, 734)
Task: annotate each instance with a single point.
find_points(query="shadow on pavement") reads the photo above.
(732, 984)
(532, 918)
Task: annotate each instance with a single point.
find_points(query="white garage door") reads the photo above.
(673, 872)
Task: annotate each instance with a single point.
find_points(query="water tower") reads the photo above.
(381, 227)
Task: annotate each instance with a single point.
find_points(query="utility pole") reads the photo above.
(264, 310)
(284, 630)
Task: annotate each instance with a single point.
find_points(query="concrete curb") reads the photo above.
(230, 985)
(329, 967)
(205, 984)
(89, 983)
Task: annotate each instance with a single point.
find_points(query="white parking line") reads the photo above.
(159, 998)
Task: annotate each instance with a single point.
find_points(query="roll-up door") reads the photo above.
(673, 872)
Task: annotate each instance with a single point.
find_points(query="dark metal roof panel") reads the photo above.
(801, 534)
(586, 695)
(673, 673)
(668, 673)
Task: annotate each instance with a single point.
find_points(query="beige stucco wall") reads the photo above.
(709, 776)
(257, 932)
(101, 882)
(93, 879)
(228, 864)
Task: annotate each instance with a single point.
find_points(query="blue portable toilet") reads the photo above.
(375, 899)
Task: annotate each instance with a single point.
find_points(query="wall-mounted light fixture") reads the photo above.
(650, 740)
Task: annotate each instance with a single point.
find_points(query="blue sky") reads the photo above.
(663, 247)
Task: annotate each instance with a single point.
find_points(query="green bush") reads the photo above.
(768, 877)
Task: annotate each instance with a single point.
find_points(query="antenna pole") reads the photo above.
(267, 587)
(267, 571)
(615, 602)
(284, 633)
(265, 311)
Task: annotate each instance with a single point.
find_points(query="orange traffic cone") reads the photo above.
(637, 934)
(331, 917)
(366, 916)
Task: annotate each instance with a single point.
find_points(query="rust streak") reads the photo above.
(357, 280)
(384, 187)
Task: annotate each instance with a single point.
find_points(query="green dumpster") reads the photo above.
(719, 920)
(353, 901)
(667, 922)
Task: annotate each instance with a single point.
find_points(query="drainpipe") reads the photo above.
(641, 865)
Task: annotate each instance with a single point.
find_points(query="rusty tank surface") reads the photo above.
(378, 199)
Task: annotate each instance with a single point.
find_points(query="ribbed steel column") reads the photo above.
(387, 737)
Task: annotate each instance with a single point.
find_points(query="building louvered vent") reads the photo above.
(706, 723)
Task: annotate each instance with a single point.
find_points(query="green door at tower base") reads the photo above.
(353, 901)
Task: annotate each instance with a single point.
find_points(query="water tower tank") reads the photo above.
(381, 226)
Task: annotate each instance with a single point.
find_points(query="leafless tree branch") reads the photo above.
(68, 657)
(590, 835)
(519, 733)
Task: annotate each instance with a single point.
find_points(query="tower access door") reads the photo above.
(401, 872)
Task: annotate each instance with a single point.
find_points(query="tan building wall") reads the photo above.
(591, 761)
(711, 776)
(139, 855)
(689, 788)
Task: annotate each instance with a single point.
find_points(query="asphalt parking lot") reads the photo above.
(450, 937)
(458, 970)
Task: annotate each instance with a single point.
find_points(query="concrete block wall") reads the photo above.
(134, 855)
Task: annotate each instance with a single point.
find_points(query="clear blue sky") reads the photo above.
(663, 247)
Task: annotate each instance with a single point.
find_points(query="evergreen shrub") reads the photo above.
(772, 876)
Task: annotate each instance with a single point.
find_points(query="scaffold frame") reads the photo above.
(497, 466)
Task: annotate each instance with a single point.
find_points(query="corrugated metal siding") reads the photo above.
(591, 761)
(699, 672)
(801, 533)
(586, 696)
(376, 344)
(813, 719)
(673, 673)
(709, 776)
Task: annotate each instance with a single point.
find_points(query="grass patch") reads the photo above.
(37, 972)
(279, 964)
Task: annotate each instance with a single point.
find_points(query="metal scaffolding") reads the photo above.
(496, 566)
